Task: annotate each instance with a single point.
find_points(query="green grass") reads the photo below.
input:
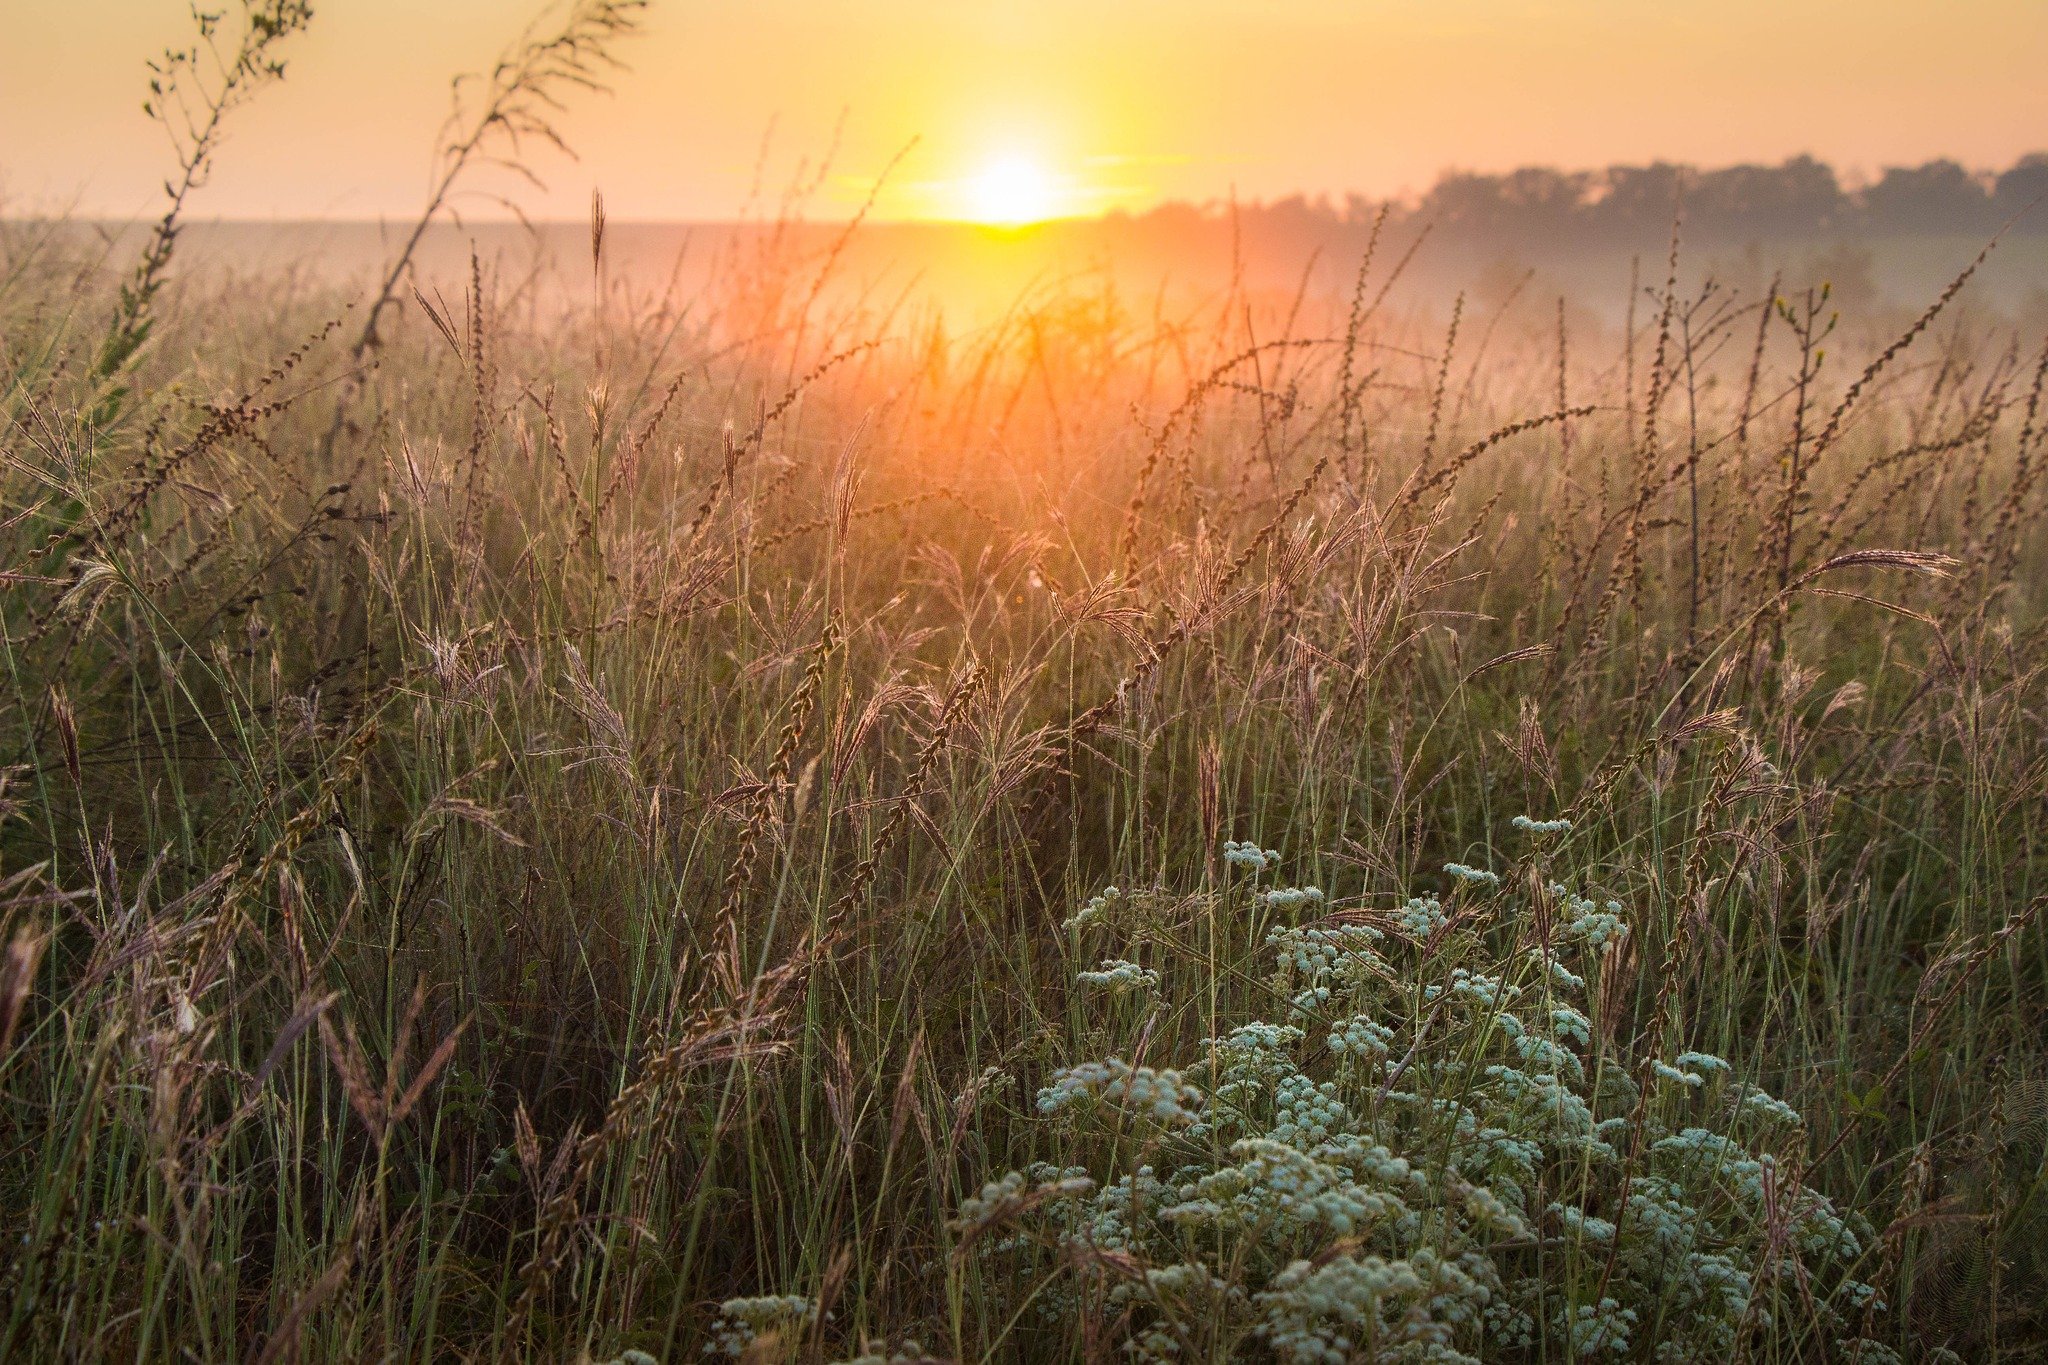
(591, 840)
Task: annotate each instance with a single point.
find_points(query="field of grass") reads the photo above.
(761, 825)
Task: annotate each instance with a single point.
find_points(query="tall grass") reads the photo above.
(589, 838)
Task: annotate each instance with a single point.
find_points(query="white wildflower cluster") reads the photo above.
(1665, 1071)
(1703, 1071)
(999, 1201)
(1291, 897)
(1259, 1036)
(1307, 1113)
(1571, 1025)
(1544, 1106)
(1756, 1104)
(1755, 1182)
(1561, 977)
(741, 1322)
(1473, 988)
(1694, 1071)
(1546, 1056)
(1374, 1309)
(1588, 922)
(1097, 911)
(1475, 876)
(1245, 1068)
(1323, 967)
(1597, 1329)
(1541, 827)
(1704, 1064)
(1343, 950)
(1160, 1096)
(1421, 916)
(1362, 1037)
(1003, 1200)
(1580, 1225)
(1249, 855)
(1274, 1184)
(1118, 977)
(1487, 1209)
(1307, 1198)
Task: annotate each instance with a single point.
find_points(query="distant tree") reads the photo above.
(1298, 211)
(2024, 186)
(1464, 202)
(1632, 206)
(1541, 200)
(1638, 201)
(1535, 202)
(1798, 198)
(1940, 196)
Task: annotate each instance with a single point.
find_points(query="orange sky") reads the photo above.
(1103, 102)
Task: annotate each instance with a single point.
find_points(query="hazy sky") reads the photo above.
(1087, 103)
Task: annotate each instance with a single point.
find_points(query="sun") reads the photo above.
(1011, 192)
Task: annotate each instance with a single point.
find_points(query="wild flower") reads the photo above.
(991, 1080)
(1094, 912)
(1259, 1036)
(1657, 1212)
(1159, 1096)
(1756, 1104)
(1362, 1037)
(1181, 1292)
(1243, 1067)
(1291, 897)
(1307, 1113)
(1249, 855)
(1004, 1199)
(1568, 1023)
(1422, 916)
(1305, 1201)
(1473, 988)
(1580, 1225)
(1588, 923)
(1275, 1180)
(1561, 977)
(1540, 827)
(1673, 1074)
(1118, 977)
(1477, 876)
(1864, 1351)
(1548, 1055)
(1600, 1329)
(1371, 1307)
(1347, 951)
(999, 1199)
(1487, 1209)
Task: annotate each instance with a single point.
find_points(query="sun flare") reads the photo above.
(1011, 192)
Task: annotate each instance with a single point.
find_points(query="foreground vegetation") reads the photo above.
(755, 825)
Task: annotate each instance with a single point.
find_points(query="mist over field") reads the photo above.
(1533, 234)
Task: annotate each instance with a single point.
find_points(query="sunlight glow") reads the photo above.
(1010, 193)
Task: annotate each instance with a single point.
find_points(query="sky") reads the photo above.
(1032, 108)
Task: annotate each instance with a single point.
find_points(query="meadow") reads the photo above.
(759, 822)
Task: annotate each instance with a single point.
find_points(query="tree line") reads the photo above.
(1623, 204)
